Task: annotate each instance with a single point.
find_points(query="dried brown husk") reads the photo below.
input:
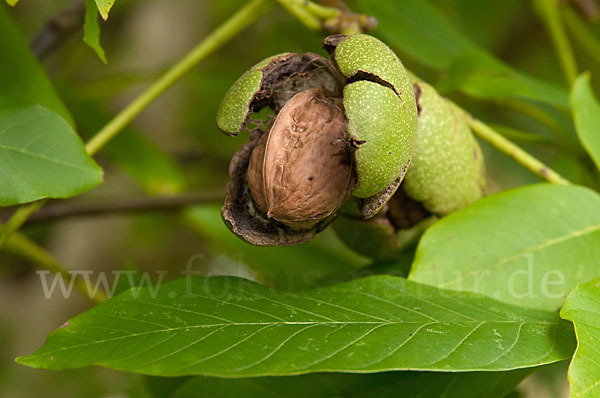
(288, 75)
(242, 216)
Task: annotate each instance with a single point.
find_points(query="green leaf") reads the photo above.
(104, 7)
(12, 2)
(304, 266)
(41, 156)
(388, 384)
(583, 308)
(418, 29)
(586, 113)
(91, 29)
(528, 246)
(231, 327)
(23, 79)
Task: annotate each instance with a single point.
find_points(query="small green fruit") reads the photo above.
(373, 238)
(383, 238)
(385, 132)
(381, 110)
(447, 171)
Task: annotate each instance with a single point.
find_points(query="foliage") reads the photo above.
(233, 327)
(477, 312)
(536, 265)
(582, 308)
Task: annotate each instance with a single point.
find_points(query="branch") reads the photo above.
(16, 221)
(58, 29)
(236, 23)
(62, 210)
(301, 13)
(334, 16)
(510, 149)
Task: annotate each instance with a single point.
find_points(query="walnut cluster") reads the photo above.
(341, 138)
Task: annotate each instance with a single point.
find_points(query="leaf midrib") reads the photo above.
(47, 158)
(352, 323)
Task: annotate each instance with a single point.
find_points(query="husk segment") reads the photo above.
(272, 82)
(382, 116)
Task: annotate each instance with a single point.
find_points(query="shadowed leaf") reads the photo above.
(91, 29)
(586, 112)
(583, 308)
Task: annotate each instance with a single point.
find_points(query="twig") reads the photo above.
(562, 136)
(309, 20)
(237, 22)
(62, 210)
(321, 11)
(513, 151)
(58, 29)
(16, 221)
(333, 16)
(18, 218)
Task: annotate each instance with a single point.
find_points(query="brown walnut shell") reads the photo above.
(302, 172)
(243, 218)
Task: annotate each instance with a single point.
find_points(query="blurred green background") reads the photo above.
(173, 147)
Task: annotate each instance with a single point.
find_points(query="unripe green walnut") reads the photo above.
(337, 129)
(398, 226)
(445, 175)
(381, 109)
(447, 171)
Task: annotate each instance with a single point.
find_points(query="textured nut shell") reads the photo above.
(447, 172)
(307, 171)
(243, 219)
(388, 127)
(255, 174)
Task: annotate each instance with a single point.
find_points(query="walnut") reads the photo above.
(343, 134)
(301, 171)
